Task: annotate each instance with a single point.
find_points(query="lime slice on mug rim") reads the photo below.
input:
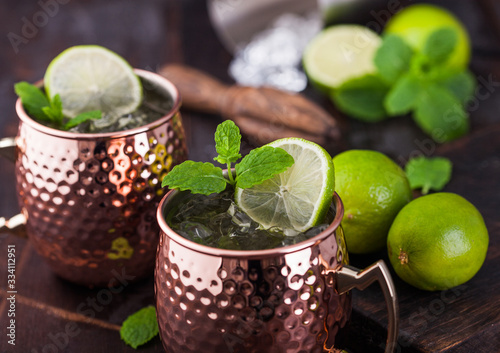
(297, 198)
(90, 77)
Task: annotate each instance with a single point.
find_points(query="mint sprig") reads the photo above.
(428, 173)
(433, 93)
(42, 108)
(409, 82)
(140, 327)
(205, 178)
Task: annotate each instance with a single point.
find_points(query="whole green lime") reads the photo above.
(373, 189)
(437, 242)
(416, 22)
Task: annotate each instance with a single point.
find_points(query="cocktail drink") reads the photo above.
(89, 191)
(216, 220)
(263, 267)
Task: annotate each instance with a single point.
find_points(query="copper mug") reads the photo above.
(290, 299)
(88, 201)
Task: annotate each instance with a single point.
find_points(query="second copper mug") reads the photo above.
(89, 200)
(290, 299)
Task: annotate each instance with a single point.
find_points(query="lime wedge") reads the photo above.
(340, 53)
(90, 77)
(297, 198)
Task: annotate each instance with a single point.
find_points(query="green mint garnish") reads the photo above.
(428, 173)
(33, 100)
(362, 98)
(81, 118)
(40, 107)
(205, 178)
(393, 58)
(140, 327)
(460, 84)
(440, 45)
(227, 143)
(54, 110)
(199, 177)
(440, 114)
(261, 164)
(403, 96)
(417, 83)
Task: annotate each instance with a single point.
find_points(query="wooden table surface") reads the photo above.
(55, 316)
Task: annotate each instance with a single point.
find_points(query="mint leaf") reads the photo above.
(33, 100)
(54, 110)
(462, 85)
(261, 164)
(227, 142)
(440, 114)
(362, 98)
(393, 58)
(83, 117)
(41, 108)
(428, 173)
(440, 44)
(198, 177)
(403, 96)
(139, 327)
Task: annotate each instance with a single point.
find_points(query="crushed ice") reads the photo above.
(273, 56)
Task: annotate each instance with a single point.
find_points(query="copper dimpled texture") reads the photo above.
(277, 300)
(90, 199)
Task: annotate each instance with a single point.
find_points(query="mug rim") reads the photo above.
(247, 254)
(148, 75)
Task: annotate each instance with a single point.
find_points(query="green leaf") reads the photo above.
(428, 173)
(393, 58)
(403, 96)
(261, 164)
(140, 327)
(198, 177)
(440, 44)
(54, 111)
(362, 98)
(227, 142)
(462, 84)
(440, 114)
(83, 117)
(33, 99)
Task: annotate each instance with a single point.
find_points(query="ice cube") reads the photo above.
(241, 219)
(193, 230)
(287, 78)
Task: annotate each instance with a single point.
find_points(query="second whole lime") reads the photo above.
(373, 189)
(438, 241)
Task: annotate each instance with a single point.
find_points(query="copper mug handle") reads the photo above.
(15, 225)
(348, 277)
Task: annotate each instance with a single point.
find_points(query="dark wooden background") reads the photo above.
(150, 33)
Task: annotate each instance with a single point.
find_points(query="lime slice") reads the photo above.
(340, 53)
(90, 77)
(297, 198)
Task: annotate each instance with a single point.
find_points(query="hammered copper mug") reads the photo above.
(290, 299)
(89, 200)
